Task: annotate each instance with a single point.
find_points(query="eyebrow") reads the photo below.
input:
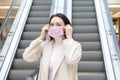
(56, 22)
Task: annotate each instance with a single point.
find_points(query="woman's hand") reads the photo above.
(68, 31)
(44, 31)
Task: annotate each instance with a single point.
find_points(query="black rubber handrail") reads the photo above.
(7, 17)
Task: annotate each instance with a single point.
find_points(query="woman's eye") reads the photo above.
(51, 24)
(58, 24)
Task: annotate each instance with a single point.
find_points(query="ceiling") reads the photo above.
(4, 6)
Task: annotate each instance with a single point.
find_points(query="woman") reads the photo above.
(59, 56)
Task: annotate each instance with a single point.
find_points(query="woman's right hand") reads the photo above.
(44, 31)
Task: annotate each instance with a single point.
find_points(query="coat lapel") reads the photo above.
(58, 61)
(48, 50)
(46, 62)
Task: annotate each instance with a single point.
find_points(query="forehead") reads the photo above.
(56, 19)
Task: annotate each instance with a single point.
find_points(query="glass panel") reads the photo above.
(6, 33)
(114, 6)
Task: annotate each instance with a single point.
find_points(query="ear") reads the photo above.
(64, 29)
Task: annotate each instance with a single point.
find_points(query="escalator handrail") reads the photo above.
(59, 6)
(64, 7)
(112, 29)
(68, 9)
(7, 16)
(19, 22)
(54, 7)
(104, 43)
(112, 39)
(110, 60)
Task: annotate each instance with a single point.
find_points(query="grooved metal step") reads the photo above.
(38, 17)
(40, 8)
(91, 21)
(84, 15)
(84, 9)
(91, 66)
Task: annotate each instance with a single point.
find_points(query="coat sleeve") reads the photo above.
(72, 50)
(33, 51)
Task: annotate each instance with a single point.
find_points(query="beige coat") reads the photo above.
(66, 62)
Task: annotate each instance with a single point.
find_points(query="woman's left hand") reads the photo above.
(68, 31)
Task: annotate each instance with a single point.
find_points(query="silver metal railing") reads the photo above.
(108, 43)
(13, 38)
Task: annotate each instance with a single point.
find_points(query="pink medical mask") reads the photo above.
(55, 31)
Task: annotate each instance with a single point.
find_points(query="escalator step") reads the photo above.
(21, 64)
(84, 9)
(19, 74)
(84, 15)
(33, 27)
(91, 56)
(85, 28)
(91, 76)
(42, 3)
(90, 66)
(88, 21)
(84, 37)
(36, 20)
(39, 14)
(40, 8)
(83, 3)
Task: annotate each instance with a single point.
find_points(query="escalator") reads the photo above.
(37, 18)
(85, 26)
(84, 21)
